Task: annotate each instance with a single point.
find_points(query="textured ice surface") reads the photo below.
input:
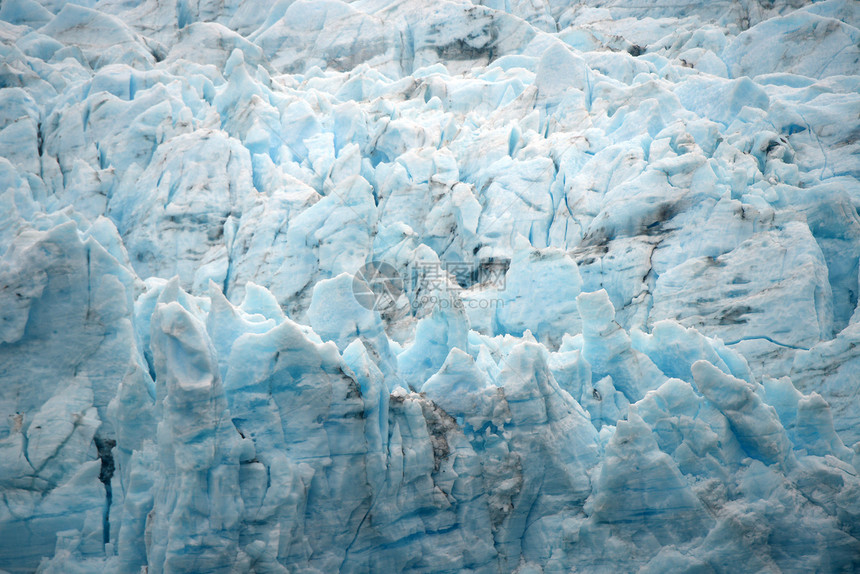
(623, 337)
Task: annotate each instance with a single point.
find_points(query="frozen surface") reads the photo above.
(624, 332)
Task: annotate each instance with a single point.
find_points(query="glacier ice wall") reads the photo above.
(620, 332)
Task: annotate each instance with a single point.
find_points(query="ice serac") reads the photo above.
(689, 292)
(622, 332)
(835, 38)
(655, 499)
(199, 451)
(756, 426)
(67, 337)
(539, 294)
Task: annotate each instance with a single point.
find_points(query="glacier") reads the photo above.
(429, 286)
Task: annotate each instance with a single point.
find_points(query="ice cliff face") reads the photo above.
(616, 325)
